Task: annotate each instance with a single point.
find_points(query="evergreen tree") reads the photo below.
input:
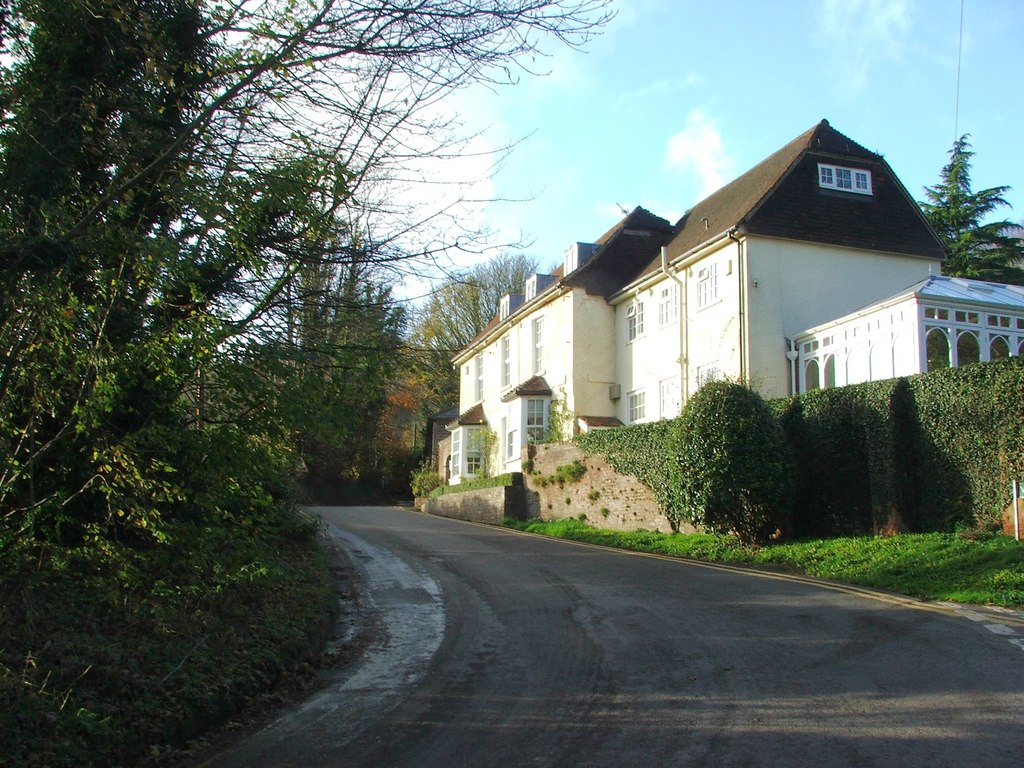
(977, 249)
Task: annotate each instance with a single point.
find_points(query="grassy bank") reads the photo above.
(108, 652)
(966, 569)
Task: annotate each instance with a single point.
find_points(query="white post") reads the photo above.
(1016, 510)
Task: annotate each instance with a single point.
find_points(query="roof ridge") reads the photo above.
(624, 223)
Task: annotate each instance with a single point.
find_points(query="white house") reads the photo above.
(749, 284)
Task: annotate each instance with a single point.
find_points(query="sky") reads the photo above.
(677, 97)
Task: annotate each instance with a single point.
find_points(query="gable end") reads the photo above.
(885, 219)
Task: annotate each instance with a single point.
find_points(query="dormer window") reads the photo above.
(844, 179)
(576, 255)
(536, 284)
(508, 304)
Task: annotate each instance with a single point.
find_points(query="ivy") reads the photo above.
(731, 463)
(933, 452)
(638, 450)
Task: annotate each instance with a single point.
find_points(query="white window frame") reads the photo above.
(535, 414)
(670, 398)
(537, 339)
(634, 321)
(707, 285)
(708, 372)
(637, 405)
(476, 461)
(478, 367)
(668, 305)
(506, 361)
(507, 438)
(457, 452)
(845, 179)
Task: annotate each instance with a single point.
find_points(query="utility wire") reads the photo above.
(959, 56)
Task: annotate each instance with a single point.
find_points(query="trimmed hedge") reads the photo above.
(933, 452)
(732, 463)
(498, 481)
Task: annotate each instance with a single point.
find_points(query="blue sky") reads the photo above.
(677, 97)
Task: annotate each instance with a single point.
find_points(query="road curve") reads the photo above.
(496, 648)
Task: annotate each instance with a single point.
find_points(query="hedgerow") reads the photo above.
(933, 452)
(731, 463)
(476, 484)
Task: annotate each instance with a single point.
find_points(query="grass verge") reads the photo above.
(931, 566)
(109, 653)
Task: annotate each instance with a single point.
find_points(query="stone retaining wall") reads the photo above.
(485, 505)
(602, 497)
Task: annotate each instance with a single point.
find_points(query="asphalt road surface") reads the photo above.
(492, 648)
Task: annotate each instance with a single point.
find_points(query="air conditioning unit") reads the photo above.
(615, 392)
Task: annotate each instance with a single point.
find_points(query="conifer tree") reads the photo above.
(983, 250)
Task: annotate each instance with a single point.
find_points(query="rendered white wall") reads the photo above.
(795, 286)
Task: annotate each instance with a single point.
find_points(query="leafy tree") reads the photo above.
(175, 172)
(731, 466)
(978, 249)
(455, 314)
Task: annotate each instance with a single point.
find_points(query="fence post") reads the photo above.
(1016, 510)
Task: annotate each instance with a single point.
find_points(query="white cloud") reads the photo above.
(861, 34)
(697, 150)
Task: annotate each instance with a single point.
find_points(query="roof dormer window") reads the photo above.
(844, 179)
(531, 287)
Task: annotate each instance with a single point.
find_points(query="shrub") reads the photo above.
(425, 479)
(570, 473)
(730, 463)
(479, 483)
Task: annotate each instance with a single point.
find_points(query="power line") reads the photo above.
(959, 56)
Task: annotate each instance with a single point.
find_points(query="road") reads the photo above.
(496, 648)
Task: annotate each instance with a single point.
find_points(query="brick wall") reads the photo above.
(486, 505)
(606, 498)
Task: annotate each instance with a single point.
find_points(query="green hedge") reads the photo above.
(498, 481)
(732, 464)
(933, 452)
(930, 453)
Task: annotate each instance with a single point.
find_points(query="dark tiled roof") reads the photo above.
(623, 252)
(780, 197)
(473, 416)
(534, 387)
(446, 415)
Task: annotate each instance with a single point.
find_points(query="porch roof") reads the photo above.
(536, 386)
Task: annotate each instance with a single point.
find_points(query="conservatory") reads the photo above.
(938, 323)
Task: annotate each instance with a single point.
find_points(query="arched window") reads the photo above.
(858, 363)
(998, 348)
(1020, 346)
(937, 345)
(811, 380)
(968, 350)
(830, 372)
